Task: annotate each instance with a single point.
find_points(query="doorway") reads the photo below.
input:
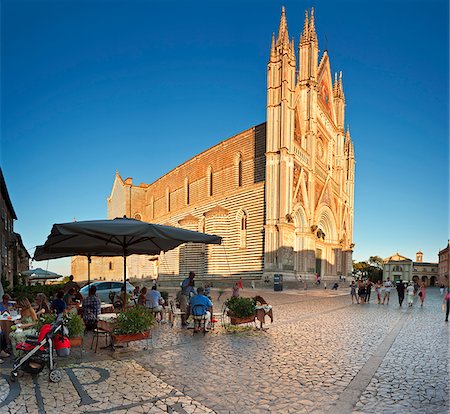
(319, 262)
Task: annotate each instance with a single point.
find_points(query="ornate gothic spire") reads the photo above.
(312, 28)
(272, 48)
(338, 89)
(283, 35)
(304, 34)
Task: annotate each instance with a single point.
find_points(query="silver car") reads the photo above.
(106, 290)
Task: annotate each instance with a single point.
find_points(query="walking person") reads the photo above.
(361, 291)
(368, 289)
(378, 290)
(422, 293)
(447, 302)
(387, 290)
(410, 294)
(401, 292)
(353, 292)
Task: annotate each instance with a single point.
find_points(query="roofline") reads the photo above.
(5, 193)
(199, 154)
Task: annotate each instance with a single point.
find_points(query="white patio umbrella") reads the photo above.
(40, 274)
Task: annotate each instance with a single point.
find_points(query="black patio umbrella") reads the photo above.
(117, 237)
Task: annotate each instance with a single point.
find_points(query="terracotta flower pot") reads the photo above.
(239, 321)
(76, 341)
(131, 337)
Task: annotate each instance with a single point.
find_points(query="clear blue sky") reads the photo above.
(91, 87)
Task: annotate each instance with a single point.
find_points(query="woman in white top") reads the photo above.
(410, 294)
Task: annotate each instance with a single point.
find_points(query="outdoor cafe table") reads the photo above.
(6, 322)
(106, 321)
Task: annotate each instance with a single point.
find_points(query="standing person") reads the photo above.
(441, 289)
(410, 294)
(353, 292)
(422, 293)
(387, 290)
(241, 285)
(187, 288)
(71, 284)
(368, 289)
(447, 302)
(378, 290)
(235, 293)
(401, 292)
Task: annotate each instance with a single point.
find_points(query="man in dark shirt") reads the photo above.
(58, 305)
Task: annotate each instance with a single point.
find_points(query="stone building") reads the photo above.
(426, 272)
(398, 267)
(280, 194)
(14, 258)
(444, 265)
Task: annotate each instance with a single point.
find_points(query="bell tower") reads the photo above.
(279, 144)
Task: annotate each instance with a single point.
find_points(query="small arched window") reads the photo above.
(397, 269)
(186, 191)
(240, 173)
(242, 218)
(137, 216)
(110, 266)
(168, 200)
(209, 179)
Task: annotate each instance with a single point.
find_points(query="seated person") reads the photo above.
(70, 298)
(200, 305)
(118, 298)
(25, 326)
(155, 302)
(58, 305)
(142, 298)
(91, 308)
(6, 304)
(41, 304)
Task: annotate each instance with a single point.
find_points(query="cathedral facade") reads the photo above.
(280, 194)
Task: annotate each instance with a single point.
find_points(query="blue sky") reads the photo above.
(91, 87)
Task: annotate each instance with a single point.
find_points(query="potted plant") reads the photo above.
(133, 324)
(240, 310)
(75, 325)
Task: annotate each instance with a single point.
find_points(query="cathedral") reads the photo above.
(280, 194)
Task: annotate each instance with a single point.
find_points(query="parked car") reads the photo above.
(106, 290)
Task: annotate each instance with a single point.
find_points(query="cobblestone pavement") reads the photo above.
(321, 355)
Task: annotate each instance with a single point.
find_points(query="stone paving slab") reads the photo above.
(321, 355)
(100, 387)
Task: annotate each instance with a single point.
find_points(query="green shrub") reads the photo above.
(44, 319)
(30, 292)
(75, 324)
(241, 307)
(137, 319)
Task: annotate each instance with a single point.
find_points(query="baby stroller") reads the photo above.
(39, 350)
